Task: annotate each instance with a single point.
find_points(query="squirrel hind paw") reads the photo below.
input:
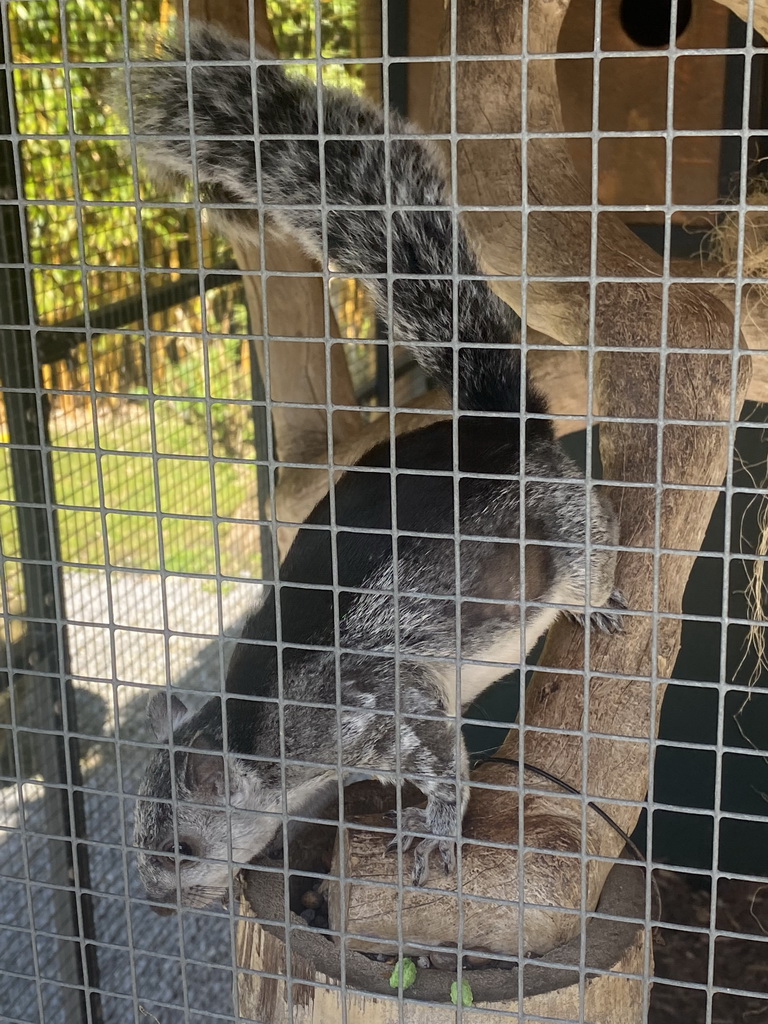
(446, 849)
(607, 619)
(415, 819)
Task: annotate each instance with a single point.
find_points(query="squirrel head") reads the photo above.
(198, 810)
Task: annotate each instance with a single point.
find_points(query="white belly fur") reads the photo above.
(498, 659)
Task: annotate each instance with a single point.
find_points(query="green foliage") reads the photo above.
(141, 499)
(295, 27)
(88, 237)
(467, 998)
(404, 974)
(72, 156)
(295, 30)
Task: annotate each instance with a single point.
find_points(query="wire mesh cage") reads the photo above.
(324, 429)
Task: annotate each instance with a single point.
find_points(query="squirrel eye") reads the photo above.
(183, 849)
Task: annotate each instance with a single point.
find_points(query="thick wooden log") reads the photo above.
(490, 173)
(562, 375)
(307, 981)
(559, 374)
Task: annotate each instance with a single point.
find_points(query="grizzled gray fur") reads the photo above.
(368, 683)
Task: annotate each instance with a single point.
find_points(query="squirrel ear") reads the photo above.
(157, 713)
(205, 776)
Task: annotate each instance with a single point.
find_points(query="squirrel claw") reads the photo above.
(606, 619)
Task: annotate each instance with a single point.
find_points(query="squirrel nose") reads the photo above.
(164, 910)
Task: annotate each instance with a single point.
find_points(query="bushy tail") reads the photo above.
(360, 174)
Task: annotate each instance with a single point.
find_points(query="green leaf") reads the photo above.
(467, 999)
(405, 972)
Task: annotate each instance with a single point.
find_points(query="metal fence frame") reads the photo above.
(24, 347)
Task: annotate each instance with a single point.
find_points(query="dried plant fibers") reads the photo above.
(742, 252)
(723, 243)
(755, 593)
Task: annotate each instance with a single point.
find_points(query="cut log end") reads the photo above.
(486, 916)
(315, 962)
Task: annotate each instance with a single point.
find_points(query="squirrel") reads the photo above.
(364, 671)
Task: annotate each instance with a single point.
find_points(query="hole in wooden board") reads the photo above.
(649, 22)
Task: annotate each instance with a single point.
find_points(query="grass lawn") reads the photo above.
(151, 513)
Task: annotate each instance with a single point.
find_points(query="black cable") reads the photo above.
(638, 853)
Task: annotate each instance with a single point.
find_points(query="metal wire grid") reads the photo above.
(107, 613)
